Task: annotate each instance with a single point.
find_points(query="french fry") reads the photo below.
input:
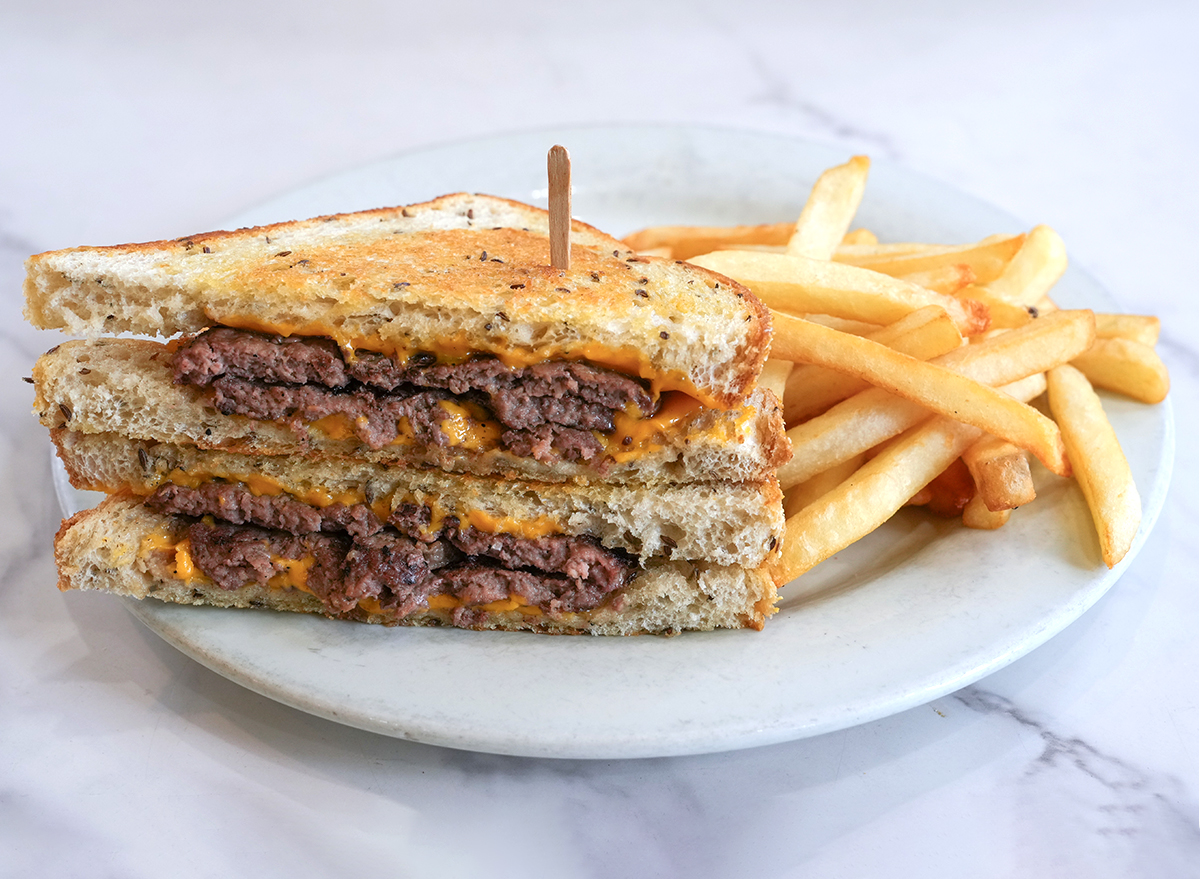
(850, 428)
(804, 494)
(1015, 360)
(929, 384)
(903, 369)
(1002, 313)
(799, 285)
(986, 258)
(863, 422)
(774, 376)
(853, 252)
(859, 236)
(843, 324)
(1001, 473)
(871, 496)
(949, 279)
(665, 252)
(1099, 464)
(977, 515)
(1039, 345)
(829, 210)
(948, 493)
(924, 334)
(759, 248)
(1127, 367)
(1033, 270)
(688, 241)
(1135, 327)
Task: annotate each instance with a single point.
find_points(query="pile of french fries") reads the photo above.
(902, 365)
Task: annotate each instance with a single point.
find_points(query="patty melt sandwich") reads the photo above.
(406, 416)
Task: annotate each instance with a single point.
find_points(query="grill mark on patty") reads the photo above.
(400, 563)
(547, 410)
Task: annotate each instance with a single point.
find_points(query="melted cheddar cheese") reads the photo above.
(504, 605)
(468, 427)
(294, 573)
(163, 541)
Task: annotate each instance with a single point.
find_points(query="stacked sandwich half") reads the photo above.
(406, 416)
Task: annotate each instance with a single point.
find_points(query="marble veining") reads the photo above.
(1111, 796)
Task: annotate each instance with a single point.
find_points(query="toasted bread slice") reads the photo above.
(722, 523)
(463, 273)
(125, 386)
(123, 548)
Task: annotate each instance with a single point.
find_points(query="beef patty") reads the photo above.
(237, 538)
(548, 411)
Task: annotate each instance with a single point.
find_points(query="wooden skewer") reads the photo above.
(558, 169)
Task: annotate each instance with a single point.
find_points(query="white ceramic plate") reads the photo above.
(916, 610)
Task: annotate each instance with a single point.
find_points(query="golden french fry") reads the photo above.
(929, 384)
(986, 258)
(688, 241)
(850, 428)
(774, 376)
(1004, 315)
(859, 236)
(1001, 473)
(805, 493)
(758, 248)
(948, 493)
(1033, 270)
(1015, 360)
(829, 210)
(1025, 389)
(977, 515)
(1039, 345)
(843, 324)
(1099, 464)
(854, 252)
(1135, 327)
(1127, 367)
(924, 334)
(871, 496)
(799, 285)
(863, 422)
(949, 279)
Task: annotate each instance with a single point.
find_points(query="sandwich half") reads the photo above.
(404, 416)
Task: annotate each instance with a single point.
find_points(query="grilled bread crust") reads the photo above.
(104, 549)
(466, 270)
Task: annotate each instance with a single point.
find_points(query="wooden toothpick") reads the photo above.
(558, 169)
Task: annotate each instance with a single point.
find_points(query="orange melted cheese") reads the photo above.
(335, 426)
(468, 428)
(163, 541)
(504, 605)
(294, 574)
(481, 520)
(635, 435)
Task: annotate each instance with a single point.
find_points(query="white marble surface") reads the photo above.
(134, 120)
